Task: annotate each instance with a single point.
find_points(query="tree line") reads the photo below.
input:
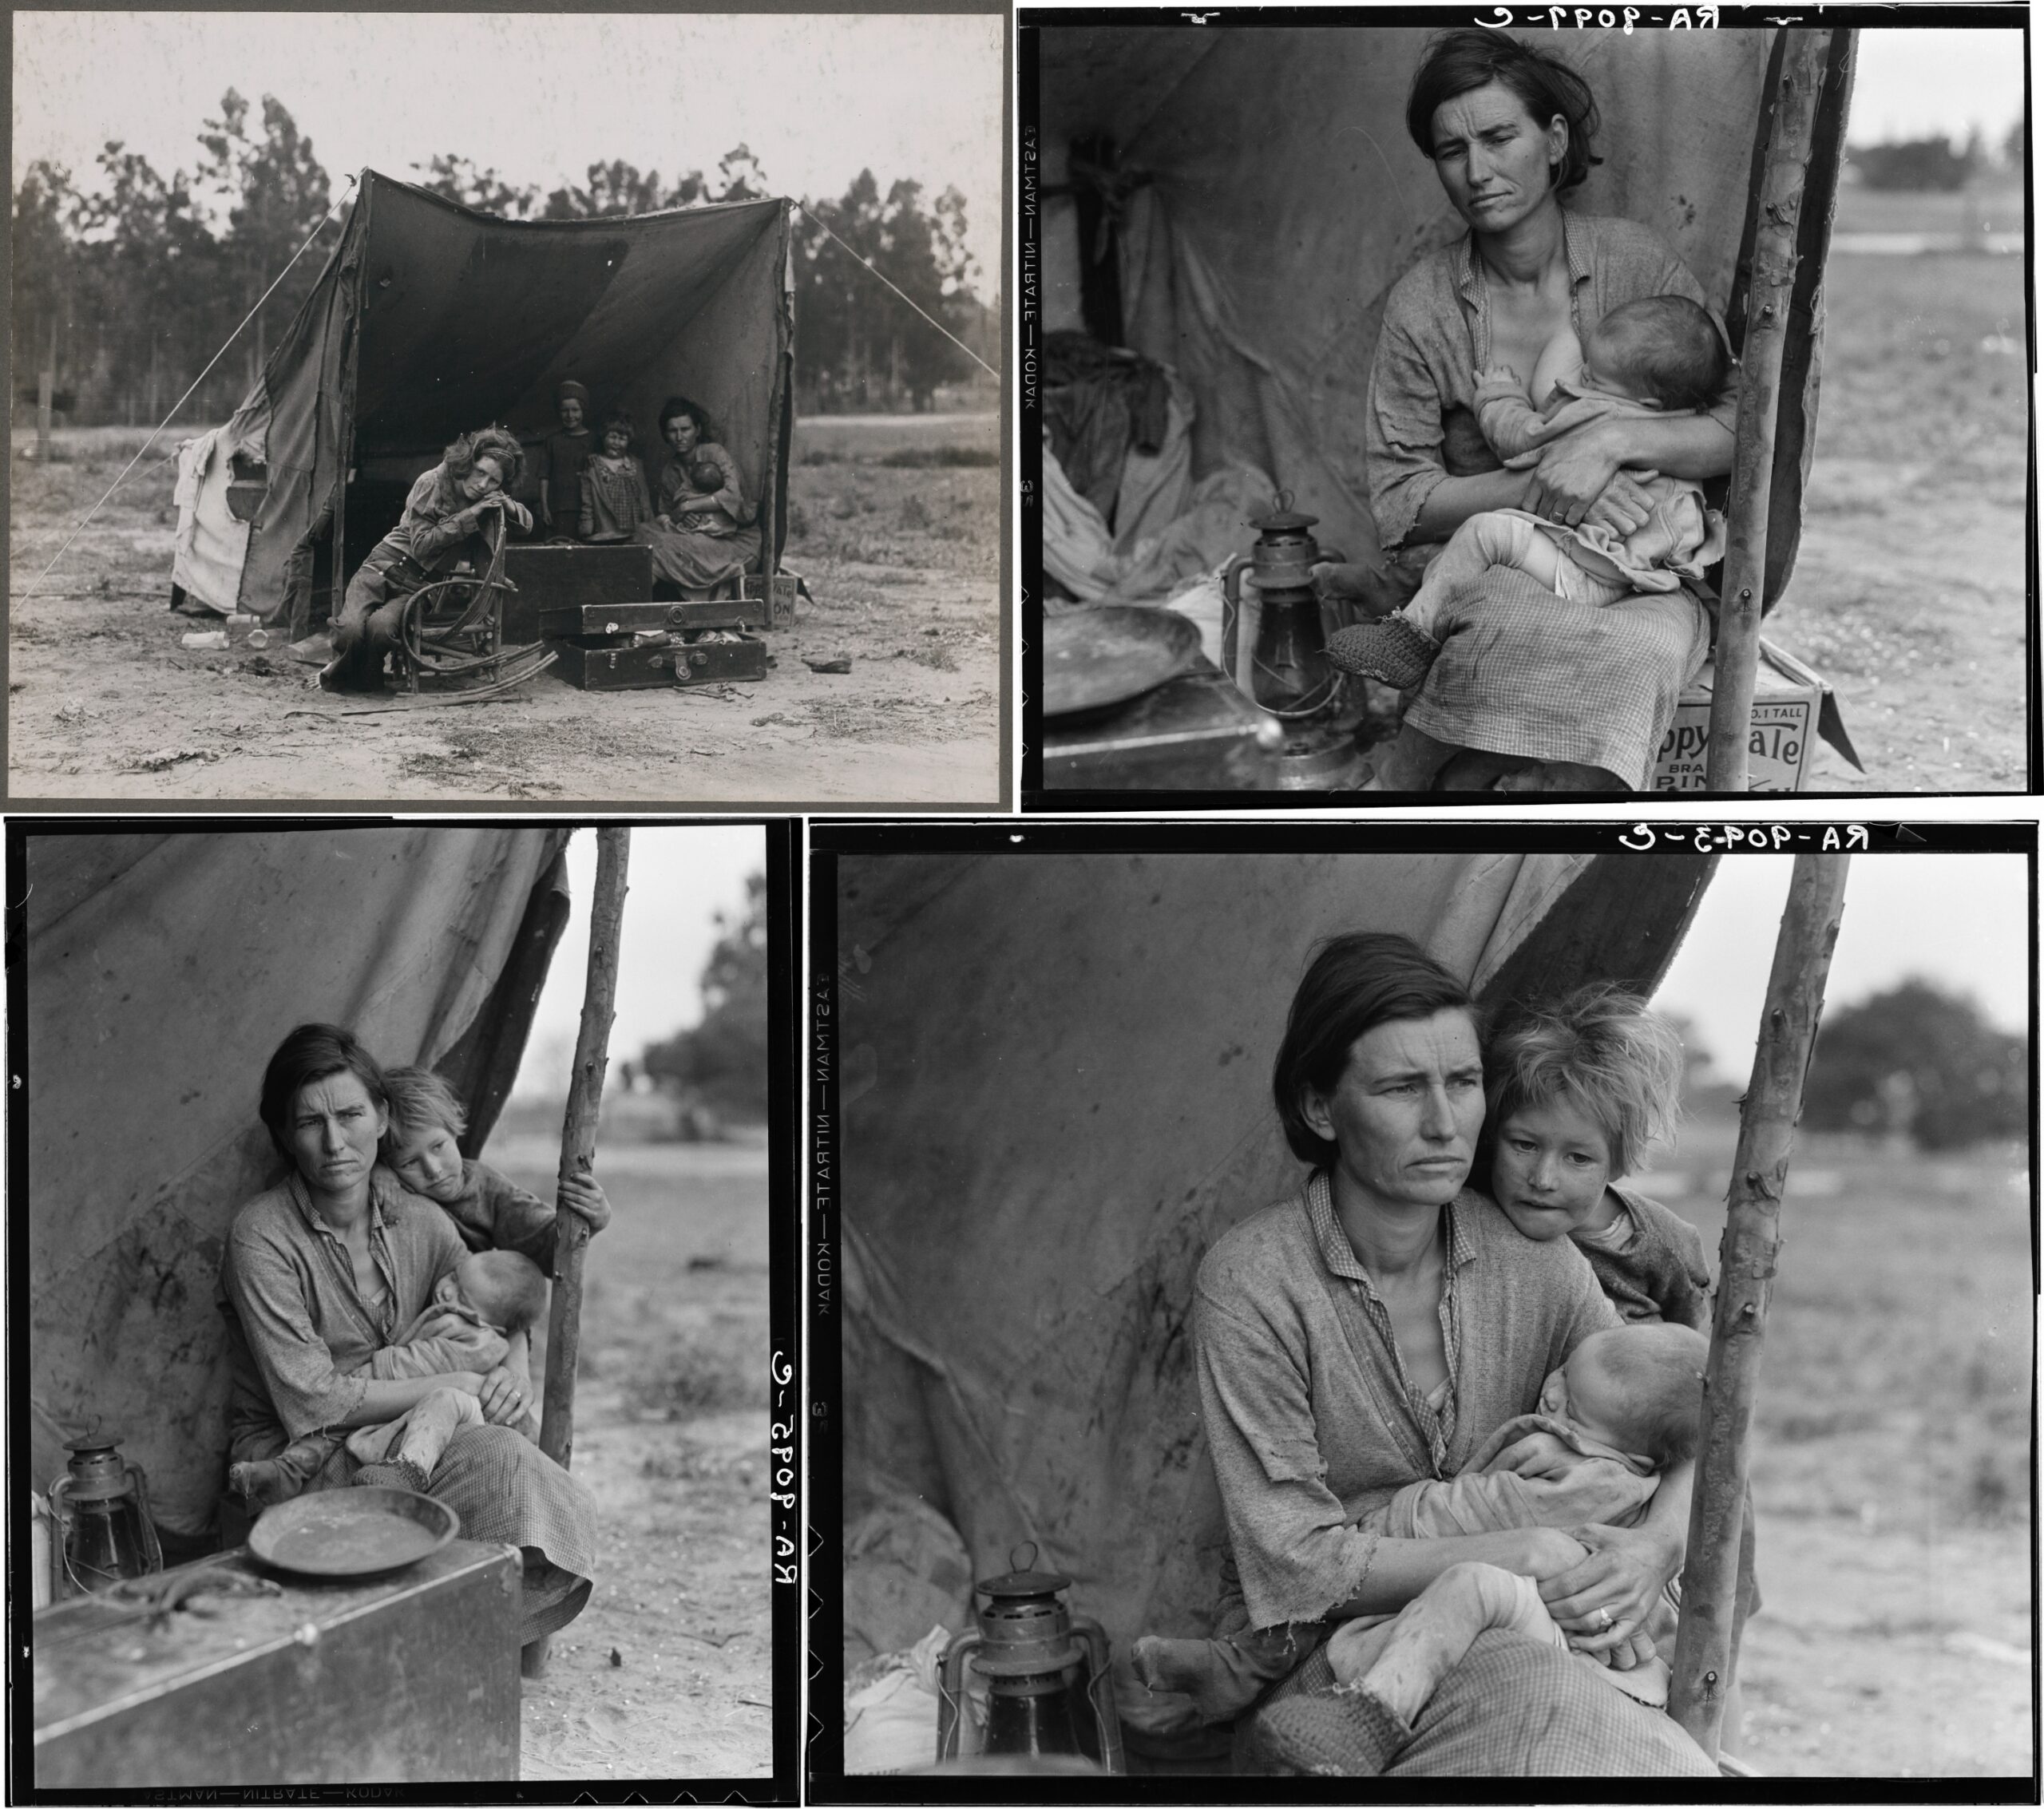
(123, 289)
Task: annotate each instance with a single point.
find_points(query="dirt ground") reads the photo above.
(667, 1673)
(1892, 1454)
(895, 523)
(1909, 590)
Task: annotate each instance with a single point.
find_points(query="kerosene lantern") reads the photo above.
(101, 1508)
(1285, 669)
(1049, 1687)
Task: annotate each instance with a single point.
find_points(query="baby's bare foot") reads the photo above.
(261, 1482)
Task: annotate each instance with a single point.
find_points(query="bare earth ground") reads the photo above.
(1908, 592)
(667, 1673)
(903, 560)
(1890, 1460)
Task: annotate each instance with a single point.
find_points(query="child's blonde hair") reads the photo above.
(1599, 1049)
(419, 1098)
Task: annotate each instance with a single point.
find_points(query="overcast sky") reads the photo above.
(678, 879)
(540, 96)
(1959, 919)
(1919, 84)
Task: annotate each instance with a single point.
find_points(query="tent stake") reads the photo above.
(1706, 1643)
(1779, 205)
(578, 1147)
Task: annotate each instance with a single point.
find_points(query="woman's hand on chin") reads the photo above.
(502, 1394)
(1572, 473)
(1621, 1576)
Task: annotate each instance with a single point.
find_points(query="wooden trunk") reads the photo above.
(408, 1678)
(553, 578)
(603, 663)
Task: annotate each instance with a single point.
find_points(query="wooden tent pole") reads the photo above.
(1705, 1654)
(1779, 203)
(578, 1144)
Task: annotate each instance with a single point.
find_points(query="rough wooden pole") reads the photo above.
(1780, 203)
(578, 1144)
(1705, 1648)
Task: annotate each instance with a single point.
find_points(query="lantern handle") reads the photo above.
(1017, 1561)
(1283, 499)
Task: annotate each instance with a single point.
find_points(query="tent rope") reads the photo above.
(866, 265)
(182, 400)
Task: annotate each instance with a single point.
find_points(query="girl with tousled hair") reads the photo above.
(442, 525)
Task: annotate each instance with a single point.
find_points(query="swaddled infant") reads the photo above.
(1626, 1405)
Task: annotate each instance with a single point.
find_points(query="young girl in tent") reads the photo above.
(564, 455)
(616, 503)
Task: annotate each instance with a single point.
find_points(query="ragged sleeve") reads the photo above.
(1402, 431)
(517, 1221)
(1297, 1556)
(431, 528)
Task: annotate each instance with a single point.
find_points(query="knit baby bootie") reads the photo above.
(1391, 650)
(399, 1473)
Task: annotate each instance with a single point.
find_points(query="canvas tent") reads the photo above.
(1246, 198)
(1054, 1094)
(430, 319)
(161, 971)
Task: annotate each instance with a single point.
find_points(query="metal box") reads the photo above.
(554, 577)
(405, 1679)
(602, 662)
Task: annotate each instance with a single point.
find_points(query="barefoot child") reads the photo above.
(1661, 354)
(477, 1319)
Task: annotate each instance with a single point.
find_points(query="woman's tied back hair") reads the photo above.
(675, 406)
(1459, 62)
(499, 443)
(1353, 983)
(1598, 1049)
(313, 1052)
(421, 1099)
(1658, 1370)
(1670, 347)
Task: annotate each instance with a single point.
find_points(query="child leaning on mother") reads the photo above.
(1376, 1329)
(342, 1257)
(1547, 691)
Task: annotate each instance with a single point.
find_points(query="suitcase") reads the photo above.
(760, 605)
(613, 663)
(408, 1678)
(552, 578)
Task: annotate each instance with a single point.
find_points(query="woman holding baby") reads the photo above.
(321, 1273)
(1375, 1330)
(1509, 130)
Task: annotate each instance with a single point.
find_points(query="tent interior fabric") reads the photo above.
(1033, 1169)
(160, 971)
(1266, 198)
(430, 319)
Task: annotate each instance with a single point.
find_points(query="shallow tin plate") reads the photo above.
(352, 1532)
(1093, 658)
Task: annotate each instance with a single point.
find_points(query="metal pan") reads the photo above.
(352, 1532)
(1097, 658)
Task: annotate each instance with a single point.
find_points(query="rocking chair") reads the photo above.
(451, 636)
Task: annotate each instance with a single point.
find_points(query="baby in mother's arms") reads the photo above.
(1661, 354)
(467, 1329)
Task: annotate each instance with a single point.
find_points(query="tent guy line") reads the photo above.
(866, 265)
(195, 382)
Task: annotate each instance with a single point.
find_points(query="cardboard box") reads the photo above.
(1789, 699)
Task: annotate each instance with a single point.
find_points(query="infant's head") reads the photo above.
(1661, 349)
(1637, 1388)
(504, 1287)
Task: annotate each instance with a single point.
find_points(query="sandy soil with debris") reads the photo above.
(668, 1672)
(899, 544)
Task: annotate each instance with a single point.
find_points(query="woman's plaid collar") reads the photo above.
(1340, 1255)
(1469, 273)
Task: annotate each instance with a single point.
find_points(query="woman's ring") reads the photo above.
(1603, 1620)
